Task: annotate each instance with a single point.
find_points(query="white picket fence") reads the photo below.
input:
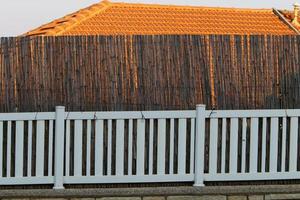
(151, 146)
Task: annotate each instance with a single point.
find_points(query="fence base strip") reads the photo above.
(128, 179)
(26, 180)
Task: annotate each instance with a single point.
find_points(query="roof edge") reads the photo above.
(60, 25)
(105, 4)
(277, 12)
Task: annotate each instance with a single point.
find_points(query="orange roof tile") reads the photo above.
(289, 15)
(107, 18)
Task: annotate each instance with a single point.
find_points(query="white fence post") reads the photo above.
(59, 147)
(199, 145)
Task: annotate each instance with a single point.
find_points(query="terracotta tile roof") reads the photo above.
(289, 15)
(107, 18)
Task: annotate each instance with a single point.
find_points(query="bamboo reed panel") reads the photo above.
(87, 73)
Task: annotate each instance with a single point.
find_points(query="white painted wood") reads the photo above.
(253, 176)
(253, 145)
(109, 147)
(40, 144)
(233, 145)
(199, 145)
(181, 146)
(223, 159)
(274, 144)
(19, 148)
(8, 157)
(161, 146)
(192, 148)
(29, 159)
(244, 142)
(78, 148)
(59, 147)
(26, 180)
(283, 154)
(251, 113)
(68, 138)
(161, 116)
(151, 134)
(140, 161)
(130, 140)
(88, 147)
(132, 115)
(120, 148)
(50, 152)
(293, 144)
(264, 144)
(27, 116)
(213, 146)
(99, 147)
(129, 179)
(151, 114)
(1, 148)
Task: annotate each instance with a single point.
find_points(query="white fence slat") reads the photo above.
(50, 152)
(120, 148)
(161, 146)
(264, 145)
(192, 146)
(233, 145)
(88, 147)
(213, 146)
(244, 142)
(181, 146)
(78, 148)
(1, 148)
(19, 148)
(140, 161)
(293, 144)
(109, 147)
(40, 144)
(29, 159)
(67, 147)
(253, 145)
(99, 147)
(130, 141)
(151, 133)
(274, 144)
(283, 155)
(8, 159)
(223, 159)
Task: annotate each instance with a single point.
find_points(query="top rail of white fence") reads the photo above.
(131, 115)
(252, 113)
(27, 116)
(150, 114)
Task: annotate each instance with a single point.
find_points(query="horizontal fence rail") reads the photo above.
(149, 146)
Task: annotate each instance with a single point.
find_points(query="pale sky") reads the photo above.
(20, 16)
